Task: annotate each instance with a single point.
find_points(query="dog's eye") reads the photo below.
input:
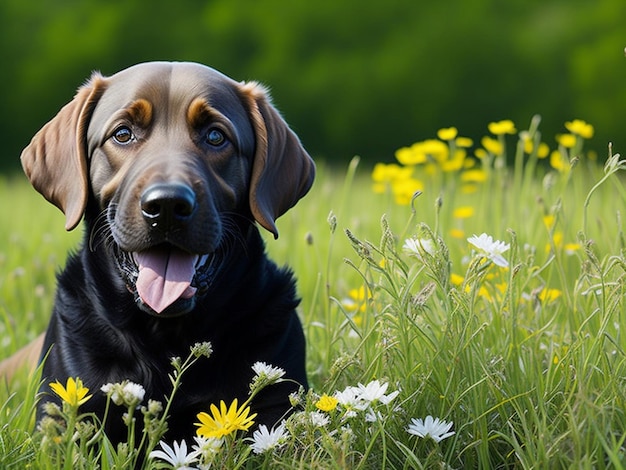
(215, 137)
(123, 135)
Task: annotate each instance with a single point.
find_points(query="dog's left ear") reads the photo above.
(282, 171)
(55, 161)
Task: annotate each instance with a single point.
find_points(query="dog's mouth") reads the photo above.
(165, 280)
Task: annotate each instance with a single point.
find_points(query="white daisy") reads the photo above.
(490, 248)
(266, 372)
(435, 428)
(264, 439)
(419, 246)
(176, 456)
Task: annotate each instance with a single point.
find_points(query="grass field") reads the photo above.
(521, 351)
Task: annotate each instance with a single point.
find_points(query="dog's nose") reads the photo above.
(165, 205)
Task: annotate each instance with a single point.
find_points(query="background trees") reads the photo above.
(351, 76)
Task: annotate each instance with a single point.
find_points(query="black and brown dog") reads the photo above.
(171, 165)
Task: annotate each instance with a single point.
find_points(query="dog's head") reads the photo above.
(170, 153)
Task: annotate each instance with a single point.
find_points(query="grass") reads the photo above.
(528, 362)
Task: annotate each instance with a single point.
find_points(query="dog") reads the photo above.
(172, 166)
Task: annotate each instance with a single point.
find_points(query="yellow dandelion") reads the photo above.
(493, 146)
(566, 140)
(474, 176)
(502, 127)
(549, 221)
(580, 127)
(459, 234)
(404, 190)
(410, 155)
(543, 150)
(559, 162)
(464, 142)
(549, 295)
(224, 421)
(456, 279)
(74, 393)
(326, 403)
(571, 248)
(463, 212)
(448, 133)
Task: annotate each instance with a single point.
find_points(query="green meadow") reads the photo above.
(516, 344)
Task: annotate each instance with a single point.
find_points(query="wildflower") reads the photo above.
(126, 393)
(267, 373)
(566, 140)
(412, 155)
(74, 393)
(549, 295)
(318, 419)
(490, 248)
(457, 233)
(502, 127)
(474, 176)
(176, 456)
(435, 428)
(405, 189)
(207, 448)
(350, 400)
(224, 421)
(356, 300)
(559, 162)
(463, 212)
(492, 146)
(464, 142)
(202, 349)
(580, 127)
(448, 133)
(326, 403)
(264, 440)
(375, 391)
(419, 246)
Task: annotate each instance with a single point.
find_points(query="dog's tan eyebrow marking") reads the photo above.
(140, 112)
(200, 112)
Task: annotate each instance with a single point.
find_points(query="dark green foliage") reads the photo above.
(352, 77)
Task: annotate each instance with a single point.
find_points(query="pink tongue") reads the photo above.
(164, 277)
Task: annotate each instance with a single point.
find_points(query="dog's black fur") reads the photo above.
(248, 315)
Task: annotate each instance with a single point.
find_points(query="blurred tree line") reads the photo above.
(352, 77)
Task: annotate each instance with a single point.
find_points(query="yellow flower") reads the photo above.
(224, 421)
(410, 155)
(549, 221)
(385, 175)
(456, 162)
(459, 234)
(502, 127)
(580, 127)
(492, 146)
(448, 133)
(463, 212)
(549, 295)
(74, 394)
(435, 149)
(464, 142)
(474, 176)
(326, 403)
(404, 190)
(456, 279)
(559, 162)
(356, 300)
(571, 248)
(566, 140)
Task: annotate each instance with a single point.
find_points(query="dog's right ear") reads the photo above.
(55, 161)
